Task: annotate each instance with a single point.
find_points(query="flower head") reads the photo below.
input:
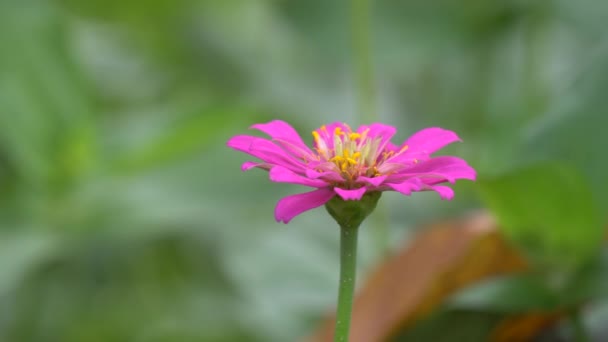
(349, 163)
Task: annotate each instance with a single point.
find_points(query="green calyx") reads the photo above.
(350, 214)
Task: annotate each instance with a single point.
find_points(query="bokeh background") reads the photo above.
(124, 217)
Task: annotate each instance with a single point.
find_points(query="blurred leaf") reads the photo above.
(573, 130)
(548, 211)
(589, 283)
(450, 326)
(44, 93)
(509, 294)
(47, 139)
(21, 252)
(185, 138)
(165, 287)
(461, 325)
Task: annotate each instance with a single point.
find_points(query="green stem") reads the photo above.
(366, 97)
(362, 62)
(348, 270)
(578, 327)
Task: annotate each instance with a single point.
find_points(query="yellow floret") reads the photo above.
(315, 135)
(354, 136)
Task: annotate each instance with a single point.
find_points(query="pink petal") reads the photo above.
(391, 147)
(378, 129)
(264, 150)
(437, 170)
(250, 165)
(284, 175)
(388, 168)
(291, 206)
(426, 142)
(325, 167)
(374, 181)
(282, 132)
(445, 192)
(406, 187)
(351, 195)
(327, 175)
(383, 131)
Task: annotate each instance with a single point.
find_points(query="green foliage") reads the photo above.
(452, 325)
(183, 139)
(508, 294)
(589, 283)
(123, 290)
(549, 212)
(577, 134)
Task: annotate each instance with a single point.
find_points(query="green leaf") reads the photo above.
(509, 294)
(590, 282)
(165, 287)
(451, 325)
(548, 211)
(574, 130)
(186, 138)
(46, 105)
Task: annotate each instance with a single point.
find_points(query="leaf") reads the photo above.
(548, 211)
(574, 131)
(459, 325)
(508, 294)
(126, 287)
(19, 253)
(187, 137)
(45, 103)
(450, 326)
(590, 282)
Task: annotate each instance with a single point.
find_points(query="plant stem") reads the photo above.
(348, 270)
(366, 97)
(362, 62)
(578, 327)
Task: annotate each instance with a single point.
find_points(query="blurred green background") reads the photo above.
(123, 216)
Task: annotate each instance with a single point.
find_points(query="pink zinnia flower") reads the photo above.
(349, 163)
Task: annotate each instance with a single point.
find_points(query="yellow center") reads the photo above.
(354, 154)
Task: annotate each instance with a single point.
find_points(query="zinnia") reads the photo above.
(349, 163)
